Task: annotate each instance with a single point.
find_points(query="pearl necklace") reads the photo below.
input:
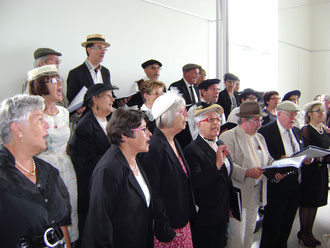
(32, 173)
(319, 131)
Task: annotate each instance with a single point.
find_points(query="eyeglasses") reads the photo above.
(257, 122)
(181, 112)
(318, 111)
(251, 98)
(55, 80)
(275, 98)
(211, 119)
(143, 129)
(156, 93)
(100, 48)
(54, 60)
(194, 74)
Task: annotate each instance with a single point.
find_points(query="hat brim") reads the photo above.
(291, 93)
(252, 115)
(84, 44)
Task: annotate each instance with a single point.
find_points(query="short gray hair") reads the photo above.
(17, 109)
(239, 120)
(167, 119)
(37, 61)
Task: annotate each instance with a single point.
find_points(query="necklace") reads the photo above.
(32, 173)
(319, 131)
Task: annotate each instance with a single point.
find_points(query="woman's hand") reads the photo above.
(221, 155)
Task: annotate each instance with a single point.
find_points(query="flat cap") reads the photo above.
(288, 106)
(151, 62)
(96, 89)
(45, 70)
(188, 67)
(309, 105)
(291, 93)
(41, 52)
(206, 83)
(204, 108)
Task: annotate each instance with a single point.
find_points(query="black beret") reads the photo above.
(206, 83)
(41, 52)
(151, 62)
(290, 93)
(95, 90)
(248, 91)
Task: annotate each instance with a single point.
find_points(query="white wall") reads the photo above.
(136, 29)
(304, 47)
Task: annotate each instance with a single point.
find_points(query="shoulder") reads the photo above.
(177, 83)
(104, 69)
(63, 111)
(45, 168)
(79, 68)
(86, 122)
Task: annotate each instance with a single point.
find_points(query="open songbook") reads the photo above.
(78, 100)
(312, 152)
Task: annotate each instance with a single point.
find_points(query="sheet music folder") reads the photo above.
(312, 152)
(236, 203)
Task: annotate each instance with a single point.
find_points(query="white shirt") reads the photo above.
(143, 186)
(286, 140)
(96, 76)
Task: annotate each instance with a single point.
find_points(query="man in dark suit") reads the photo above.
(210, 170)
(228, 98)
(152, 69)
(91, 71)
(283, 139)
(188, 90)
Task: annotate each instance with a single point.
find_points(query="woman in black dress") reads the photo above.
(314, 183)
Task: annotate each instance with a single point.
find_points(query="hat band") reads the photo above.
(250, 113)
(96, 39)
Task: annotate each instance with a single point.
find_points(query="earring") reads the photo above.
(21, 138)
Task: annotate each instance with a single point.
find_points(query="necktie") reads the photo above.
(294, 150)
(193, 100)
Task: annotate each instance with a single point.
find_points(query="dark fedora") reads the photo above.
(95, 38)
(151, 62)
(95, 90)
(250, 109)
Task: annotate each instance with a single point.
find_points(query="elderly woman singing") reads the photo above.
(34, 202)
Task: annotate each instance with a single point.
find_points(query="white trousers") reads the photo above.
(241, 232)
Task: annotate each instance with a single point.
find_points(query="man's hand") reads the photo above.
(255, 172)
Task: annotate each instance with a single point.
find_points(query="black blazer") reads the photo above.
(80, 77)
(181, 86)
(118, 215)
(88, 144)
(171, 187)
(278, 192)
(212, 187)
(225, 102)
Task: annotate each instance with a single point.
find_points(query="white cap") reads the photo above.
(163, 103)
(42, 71)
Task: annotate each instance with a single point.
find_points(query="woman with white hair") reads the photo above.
(169, 174)
(34, 202)
(45, 82)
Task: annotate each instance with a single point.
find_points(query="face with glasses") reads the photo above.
(156, 92)
(273, 101)
(103, 102)
(209, 127)
(140, 142)
(153, 71)
(191, 76)
(55, 87)
(287, 119)
(51, 60)
(294, 99)
(211, 94)
(316, 114)
(96, 53)
(251, 125)
(181, 118)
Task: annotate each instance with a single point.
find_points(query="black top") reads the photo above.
(118, 214)
(171, 187)
(211, 186)
(225, 102)
(27, 209)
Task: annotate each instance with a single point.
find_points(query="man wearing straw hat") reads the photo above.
(91, 71)
(249, 152)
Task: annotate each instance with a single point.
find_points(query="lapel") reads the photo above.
(277, 138)
(88, 81)
(242, 142)
(97, 128)
(208, 153)
(297, 135)
(185, 92)
(131, 178)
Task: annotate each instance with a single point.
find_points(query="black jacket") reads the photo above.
(225, 102)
